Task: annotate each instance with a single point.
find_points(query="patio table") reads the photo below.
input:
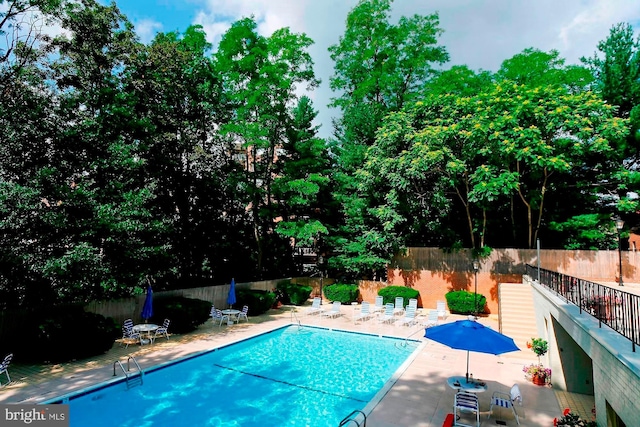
(459, 382)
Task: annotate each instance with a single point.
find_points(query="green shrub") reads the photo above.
(461, 302)
(65, 333)
(291, 293)
(259, 302)
(390, 293)
(186, 314)
(346, 294)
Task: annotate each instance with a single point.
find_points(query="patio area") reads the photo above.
(419, 397)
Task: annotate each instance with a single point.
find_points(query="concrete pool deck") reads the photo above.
(419, 397)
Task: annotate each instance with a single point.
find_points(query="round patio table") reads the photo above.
(460, 383)
(147, 329)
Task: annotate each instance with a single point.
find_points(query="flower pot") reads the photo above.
(539, 380)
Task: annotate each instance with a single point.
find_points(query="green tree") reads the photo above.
(259, 77)
(301, 187)
(616, 67)
(379, 66)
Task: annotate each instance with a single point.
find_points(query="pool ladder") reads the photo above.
(351, 418)
(295, 316)
(132, 379)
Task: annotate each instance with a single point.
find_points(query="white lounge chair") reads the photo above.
(441, 308)
(378, 305)
(4, 366)
(399, 307)
(413, 303)
(365, 312)
(409, 317)
(316, 307)
(387, 316)
(335, 310)
(507, 401)
(432, 319)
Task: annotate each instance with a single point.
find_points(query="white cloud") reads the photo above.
(147, 29)
(479, 33)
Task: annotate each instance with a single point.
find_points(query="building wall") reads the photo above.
(434, 272)
(612, 366)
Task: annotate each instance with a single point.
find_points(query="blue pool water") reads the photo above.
(288, 377)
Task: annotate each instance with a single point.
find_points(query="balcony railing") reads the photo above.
(615, 308)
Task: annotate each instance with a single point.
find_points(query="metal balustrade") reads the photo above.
(615, 308)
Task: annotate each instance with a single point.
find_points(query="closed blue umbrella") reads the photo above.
(231, 298)
(147, 308)
(471, 336)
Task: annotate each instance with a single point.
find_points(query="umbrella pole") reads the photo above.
(467, 365)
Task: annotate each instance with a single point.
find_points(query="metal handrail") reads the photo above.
(615, 308)
(294, 315)
(351, 418)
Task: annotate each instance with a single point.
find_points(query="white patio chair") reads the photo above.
(465, 402)
(409, 317)
(4, 366)
(387, 316)
(129, 336)
(243, 313)
(413, 302)
(378, 306)
(399, 306)
(364, 314)
(335, 310)
(441, 308)
(162, 330)
(218, 316)
(316, 307)
(432, 319)
(504, 400)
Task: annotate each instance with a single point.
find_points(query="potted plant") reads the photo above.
(537, 373)
(539, 346)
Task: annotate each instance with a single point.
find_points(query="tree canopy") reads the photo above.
(193, 163)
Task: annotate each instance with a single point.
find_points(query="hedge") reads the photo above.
(346, 294)
(291, 293)
(185, 314)
(461, 302)
(64, 333)
(259, 302)
(390, 293)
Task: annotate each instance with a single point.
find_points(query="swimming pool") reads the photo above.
(290, 376)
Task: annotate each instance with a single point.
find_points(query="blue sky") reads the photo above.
(478, 33)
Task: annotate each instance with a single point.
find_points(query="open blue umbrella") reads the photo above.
(231, 298)
(471, 336)
(147, 308)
